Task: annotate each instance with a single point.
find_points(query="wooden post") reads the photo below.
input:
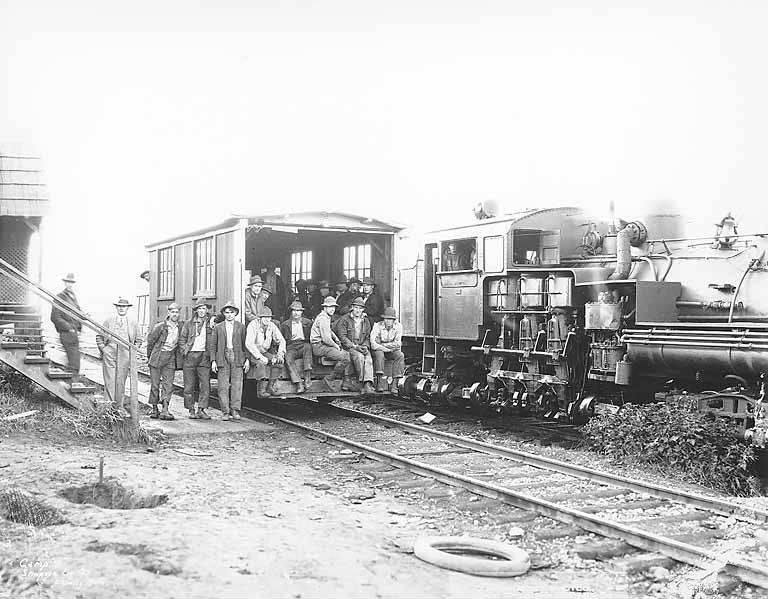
(134, 386)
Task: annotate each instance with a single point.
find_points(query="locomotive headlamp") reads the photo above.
(726, 232)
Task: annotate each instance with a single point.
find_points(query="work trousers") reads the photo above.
(71, 342)
(259, 370)
(197, 380)
(391, 363)
(115, 363)
(230, 383)
(339, 355)
(362, 364)
(295, 352)
(161, 378)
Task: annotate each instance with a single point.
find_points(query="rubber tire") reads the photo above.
(514, 563)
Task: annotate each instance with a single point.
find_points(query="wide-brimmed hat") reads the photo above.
(267, 288)
(230, 304)
(389, 313)
(174, 306)
(329, 301)
(199, 303)
(255, 279)
(342, 281)
(358, 301)
(368, 281)
(296, 305)
(265, 311)
(323, 284)
(121, 301)
(69, 278)
(354, 280)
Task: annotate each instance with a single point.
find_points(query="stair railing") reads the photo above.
(51, 298)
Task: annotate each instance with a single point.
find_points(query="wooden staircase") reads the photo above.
(22, 348)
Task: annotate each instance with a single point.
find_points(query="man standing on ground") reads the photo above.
(68, 326)
(297, 331)
(195, 344)
(386, 345)
(354, 331)
(266, 352)
(230, 359)
(115, 360)
(326, 344)
(164, 360)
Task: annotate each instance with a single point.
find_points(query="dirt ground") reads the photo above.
(271, 513)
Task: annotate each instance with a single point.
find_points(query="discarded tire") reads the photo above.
(470, 555)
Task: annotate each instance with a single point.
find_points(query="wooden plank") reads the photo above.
(19, 416)
(36, 373)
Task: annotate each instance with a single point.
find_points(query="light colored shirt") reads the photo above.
(322, 332)
(297, 331)
(173, 337)
(381, 334)
(229, 327)
(260, 339)
(199, 343)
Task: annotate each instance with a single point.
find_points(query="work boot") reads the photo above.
(367, 388)
(272, 387)
(202, 415)
(300, 387)
(155, 413)
(192, 414)
(235, 415)
(261, 389)
(226, 417)
(166, 415)
(307, 379)
(348, 384)
(394, 385)
(328, 380)
(381, 383)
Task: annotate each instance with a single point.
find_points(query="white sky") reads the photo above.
(157, 117)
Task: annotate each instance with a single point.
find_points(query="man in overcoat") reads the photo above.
(229, 358)
(374, 303)
(296, 331)
(354, 332)
(115, 359)
(164, 360)
(69, 327)
(195, 342)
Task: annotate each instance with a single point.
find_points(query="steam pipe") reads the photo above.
(650, 264)
(623, 255)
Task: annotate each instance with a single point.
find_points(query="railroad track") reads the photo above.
(637, 514)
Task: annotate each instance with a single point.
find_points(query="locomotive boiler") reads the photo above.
(553, 313)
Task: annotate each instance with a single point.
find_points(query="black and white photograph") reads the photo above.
(383, 300)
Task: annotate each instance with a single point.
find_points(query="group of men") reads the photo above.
(351, 329)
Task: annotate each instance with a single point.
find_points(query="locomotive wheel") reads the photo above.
(503, 560)
(406, 386)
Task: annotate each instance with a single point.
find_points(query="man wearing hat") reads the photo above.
(275, 283)
(115, 360)
(325, 343)
(68, 326)
(386, 346)
(229, 358)
(269, 301)
(354, 331)
(266, 352)
(347, 297)
(195, 341)
(164, 360)
(254, 301)
(317, 298)
(297, 331)
(374, 303)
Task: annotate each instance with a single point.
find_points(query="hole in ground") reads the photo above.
(112, 495)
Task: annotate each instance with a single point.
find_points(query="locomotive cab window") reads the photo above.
(458, 254)
(535, 246)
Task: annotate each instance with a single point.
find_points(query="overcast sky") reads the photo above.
(156, 117)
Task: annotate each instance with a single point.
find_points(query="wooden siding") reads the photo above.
(225, 290)
(22, 189)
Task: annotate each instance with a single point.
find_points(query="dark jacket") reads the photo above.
(218, 345)
(374, 306)
(345, 329)
(60, 319)
(345, 300)
(187, 339)
(155, 340)
(285, 330)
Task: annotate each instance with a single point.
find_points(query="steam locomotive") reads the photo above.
(550, 312)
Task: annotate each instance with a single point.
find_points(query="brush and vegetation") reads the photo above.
(676, 439)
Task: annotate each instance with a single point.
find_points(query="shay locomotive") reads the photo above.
(552, 313)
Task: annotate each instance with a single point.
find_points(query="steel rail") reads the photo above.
(699, 557)
(712, 504)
